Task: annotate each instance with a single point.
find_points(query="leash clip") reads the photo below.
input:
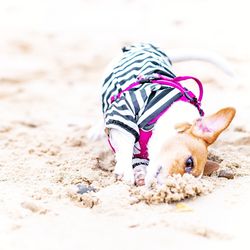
(193, 100)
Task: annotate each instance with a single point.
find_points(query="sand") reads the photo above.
(52, 56)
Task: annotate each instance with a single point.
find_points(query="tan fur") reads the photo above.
(182, 127)
(193, 140)
(175, 152)
(215, 123)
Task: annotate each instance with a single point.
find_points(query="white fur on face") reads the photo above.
(164, 131)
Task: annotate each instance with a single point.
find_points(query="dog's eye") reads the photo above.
(189, 165)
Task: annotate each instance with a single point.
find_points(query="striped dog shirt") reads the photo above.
(134, 107)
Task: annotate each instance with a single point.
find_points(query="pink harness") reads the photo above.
(187, 96)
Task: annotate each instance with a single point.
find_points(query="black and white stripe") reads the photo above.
(138, 106)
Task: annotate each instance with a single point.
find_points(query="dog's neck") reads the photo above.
(164, 129)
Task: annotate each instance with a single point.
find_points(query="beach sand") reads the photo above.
(52, 56)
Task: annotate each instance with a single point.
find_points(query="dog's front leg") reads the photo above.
(123, 145)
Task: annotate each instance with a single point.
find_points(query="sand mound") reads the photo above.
(176, 188)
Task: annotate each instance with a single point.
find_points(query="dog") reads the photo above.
(154, 123)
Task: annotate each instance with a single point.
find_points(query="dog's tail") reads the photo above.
(201, 55)
(96, 131)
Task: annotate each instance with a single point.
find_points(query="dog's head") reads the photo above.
(186, 152)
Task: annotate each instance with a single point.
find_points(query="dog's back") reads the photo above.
(134, 109)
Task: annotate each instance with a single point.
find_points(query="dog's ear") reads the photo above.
(209, 128)
(182, 127)
(210, 167)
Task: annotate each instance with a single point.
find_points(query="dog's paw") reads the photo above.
(139, 175)
(129, 178)
(125, 176)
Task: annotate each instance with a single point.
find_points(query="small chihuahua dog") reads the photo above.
(155, 124)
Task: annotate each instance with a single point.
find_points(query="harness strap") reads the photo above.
(187, 95)
(178, 79)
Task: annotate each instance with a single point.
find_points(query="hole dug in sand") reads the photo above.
(176, 188)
